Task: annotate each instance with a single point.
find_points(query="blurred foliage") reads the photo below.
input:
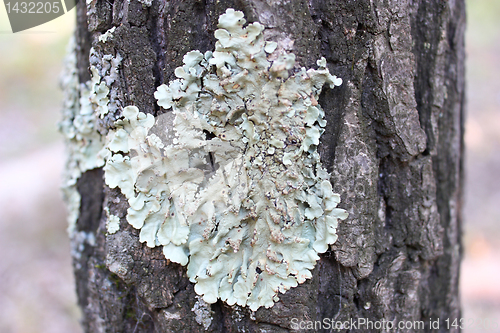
(36, 282)
(481, 265)
(30, 99)
(482, 138)
(483, 21)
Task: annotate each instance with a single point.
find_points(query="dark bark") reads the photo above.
(393, 144)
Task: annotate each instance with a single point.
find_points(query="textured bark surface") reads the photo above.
(393, 144)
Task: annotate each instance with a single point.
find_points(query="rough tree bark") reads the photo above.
(393, 145)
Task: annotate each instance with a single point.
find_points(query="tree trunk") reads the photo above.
(393, 145)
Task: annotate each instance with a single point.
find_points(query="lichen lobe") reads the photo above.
(236, 191)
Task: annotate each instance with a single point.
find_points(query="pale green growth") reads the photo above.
(203, 313)
(84, 145)
(237, 191)
(113, 222)
(99, 93)
(270, 47)
(142, 178)
(104, 72)
(99, 85)
(146, 3)
(107, 35)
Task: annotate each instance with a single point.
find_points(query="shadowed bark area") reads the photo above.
(393, 144)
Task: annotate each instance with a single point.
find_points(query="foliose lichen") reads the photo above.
(229, 180)
(203, 313)
(112, 223)
(83, 105)
(104, 72)
(107, 35)
(84, 145)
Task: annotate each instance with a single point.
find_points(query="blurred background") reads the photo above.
(36, 281)
(480, 270)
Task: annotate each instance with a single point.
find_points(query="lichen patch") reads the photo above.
(84, 144)
(236, 191)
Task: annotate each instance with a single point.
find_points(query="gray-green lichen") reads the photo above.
(104, 72)
(84, 145)
(236, 190)
(203, 313)
(113, 222)
(107, 35)
(146, 3)
(83, 104)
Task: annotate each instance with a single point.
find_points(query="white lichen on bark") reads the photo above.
(203, 313)
(84, 145)
(236, 191)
